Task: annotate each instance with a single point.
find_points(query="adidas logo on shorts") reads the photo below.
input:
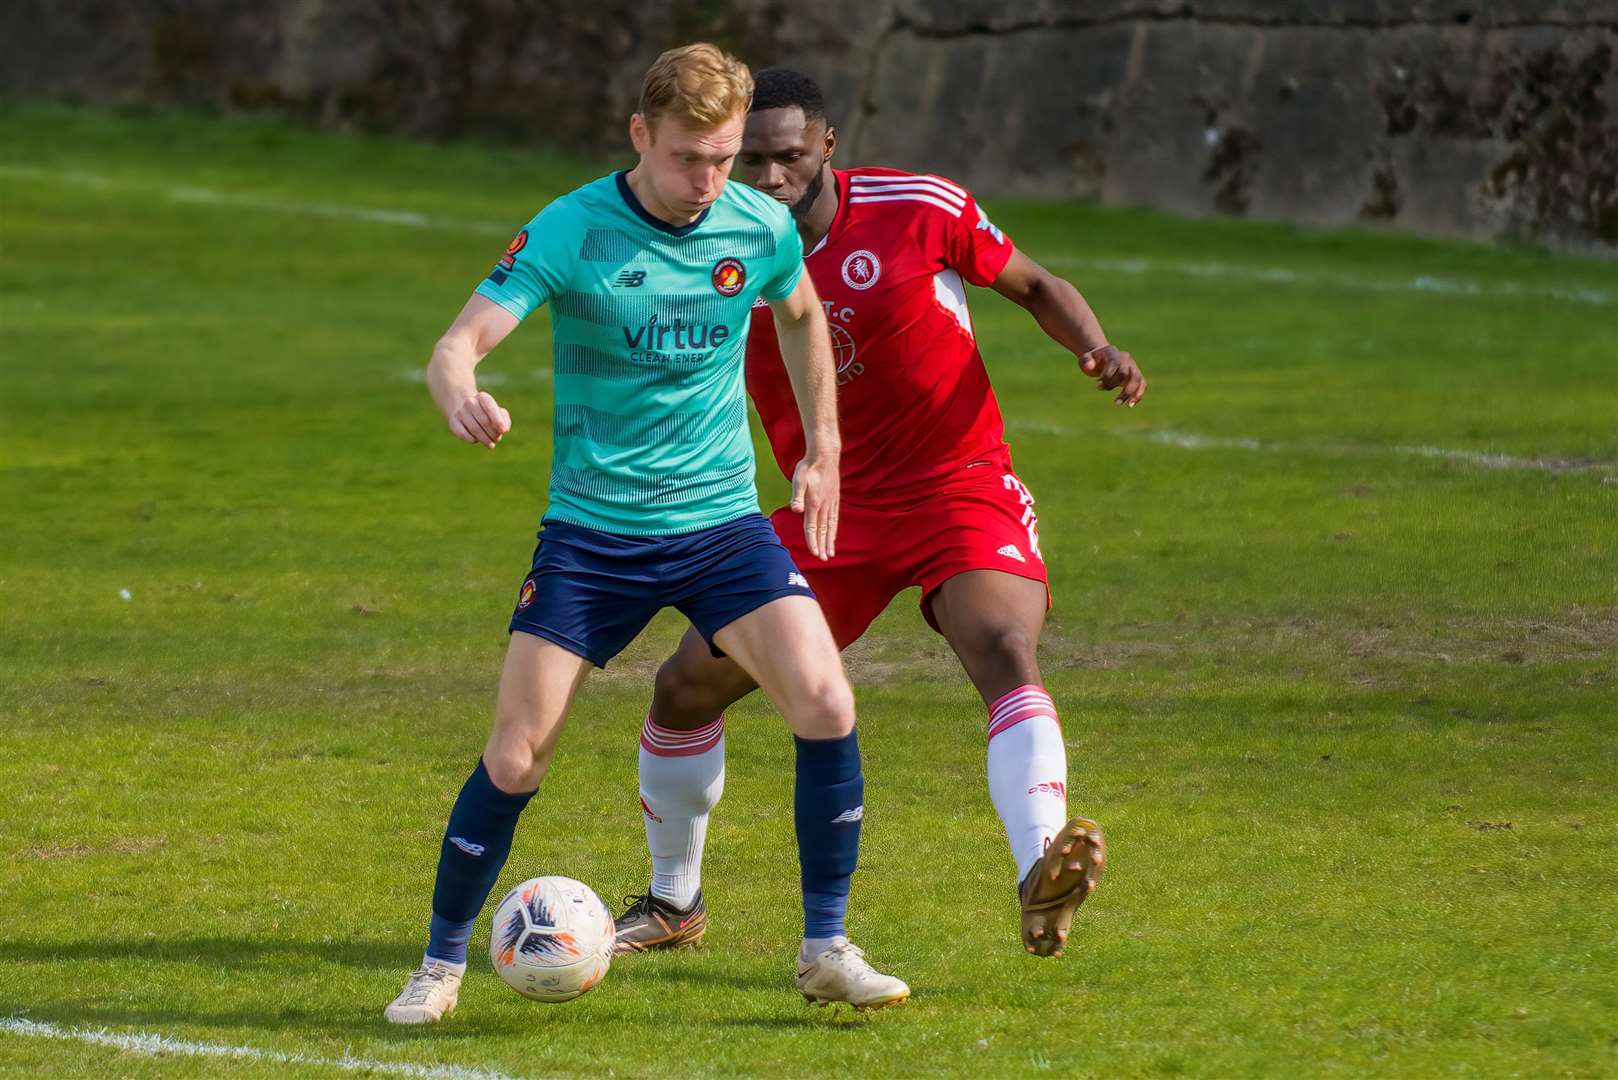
(1010, 551)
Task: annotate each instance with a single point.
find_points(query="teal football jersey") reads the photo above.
(650, 324)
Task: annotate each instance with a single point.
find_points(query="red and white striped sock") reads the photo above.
(682, 775)
(1027, 771)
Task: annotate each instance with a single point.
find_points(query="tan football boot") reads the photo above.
(428, 996)
(841, 973)
(1058, 883)
(652, 923)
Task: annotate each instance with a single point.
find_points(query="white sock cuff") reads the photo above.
(1023, 703)
(673, 742)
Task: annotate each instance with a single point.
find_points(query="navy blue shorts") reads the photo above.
(592, 592)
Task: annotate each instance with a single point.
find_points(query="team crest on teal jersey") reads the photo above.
(729, 276)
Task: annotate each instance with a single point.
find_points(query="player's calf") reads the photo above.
(694, 687)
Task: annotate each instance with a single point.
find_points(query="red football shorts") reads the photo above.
(982, 520)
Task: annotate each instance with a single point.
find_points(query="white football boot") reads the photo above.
(428, 996)
(841, 973)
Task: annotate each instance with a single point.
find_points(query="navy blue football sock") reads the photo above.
(828, 805)
(476, 844)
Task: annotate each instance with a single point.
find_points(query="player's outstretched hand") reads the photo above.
(815, 495)
(1114, 369)
(480, 419)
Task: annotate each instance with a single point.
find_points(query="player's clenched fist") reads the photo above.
(1114, 369)
(480, 419)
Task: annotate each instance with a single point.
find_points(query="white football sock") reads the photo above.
(814, 946)
(433, 961)
(1027, 772)
(682, 775)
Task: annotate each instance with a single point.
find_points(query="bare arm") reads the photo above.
(800, 326)
(473, 415)
(1066, 318)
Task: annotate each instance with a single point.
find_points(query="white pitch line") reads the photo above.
(1276, 275)
(157, 1045)
(1269, 275)
(1192, 441)
(200, 196)
(378, 215)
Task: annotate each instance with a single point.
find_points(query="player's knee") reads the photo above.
(513, 763)
(824, 710)
(1009, 648)
(682, 699)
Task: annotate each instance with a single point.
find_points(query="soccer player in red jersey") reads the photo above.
(929, 499)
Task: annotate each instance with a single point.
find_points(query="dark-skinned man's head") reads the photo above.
(788, 143)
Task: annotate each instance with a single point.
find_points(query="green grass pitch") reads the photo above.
(1334, 643)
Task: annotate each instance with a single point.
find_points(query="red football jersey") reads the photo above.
(913, 399)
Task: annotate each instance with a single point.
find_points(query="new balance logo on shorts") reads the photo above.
(849, 817)
(798, 579)
(467, 846)
(1010, 551)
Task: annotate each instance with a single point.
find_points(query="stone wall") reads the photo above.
(1438, 116)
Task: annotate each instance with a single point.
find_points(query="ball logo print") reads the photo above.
(861, 269)
(551, 939)
(729, 275)
(518, 242)
(842, 347)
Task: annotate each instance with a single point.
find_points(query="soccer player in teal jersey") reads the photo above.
(651, 275)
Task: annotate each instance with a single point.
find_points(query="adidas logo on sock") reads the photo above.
(467, 846)
(1010, 551)
(849, 816)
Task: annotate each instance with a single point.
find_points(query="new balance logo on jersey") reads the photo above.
(1010, 551)
(474, 850)
(630, 279)
(798, 579)
(849, 817)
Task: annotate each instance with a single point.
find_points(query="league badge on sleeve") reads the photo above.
(989, 227)
(729, 275)
(518, 242)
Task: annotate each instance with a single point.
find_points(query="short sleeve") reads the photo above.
(788, 262)
(974, 246)
(537, 265)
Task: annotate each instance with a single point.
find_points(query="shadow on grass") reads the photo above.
(285, 963)
(669, 970)
(217, 952)
(828, 1019)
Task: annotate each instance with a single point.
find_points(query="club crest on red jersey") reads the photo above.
(518, 242)
(729, 275)
(861, 269)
